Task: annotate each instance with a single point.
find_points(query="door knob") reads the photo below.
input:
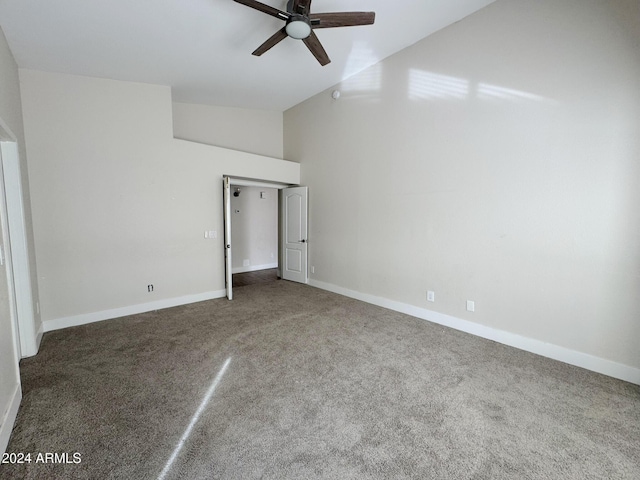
(303, 241)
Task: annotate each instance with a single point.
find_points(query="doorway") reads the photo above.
(17, 246)
(254, 229)
(258, 277)
(291, 229)
(11, 296)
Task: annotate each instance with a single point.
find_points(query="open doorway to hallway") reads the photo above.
(292, 216)
(254, 230)
(254, 278)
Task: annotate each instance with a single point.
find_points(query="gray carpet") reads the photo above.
(291, 382)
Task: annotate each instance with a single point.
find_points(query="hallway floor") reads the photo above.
(253, 278)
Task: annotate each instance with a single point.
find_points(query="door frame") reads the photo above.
(234, 181)
(6, 260)
(28, 338)
(9, 412)
(226, 205)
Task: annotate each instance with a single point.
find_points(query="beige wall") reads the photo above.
(496, 161)
(118, 203)
(247, 130)
(254, 228)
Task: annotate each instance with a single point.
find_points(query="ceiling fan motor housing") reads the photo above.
(298, 27)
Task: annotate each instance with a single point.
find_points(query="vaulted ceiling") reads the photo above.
(202, 48)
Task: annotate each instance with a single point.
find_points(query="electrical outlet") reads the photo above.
(246, 262)
(313, 269)
(431, 296)
(150, 288)
(471, 306)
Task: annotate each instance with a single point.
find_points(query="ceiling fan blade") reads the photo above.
(313, 43)
(342, 19)
(301, 7)
(274, 12)
(271, 42)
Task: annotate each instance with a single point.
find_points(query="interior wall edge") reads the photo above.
(549, 350)
(39, 335)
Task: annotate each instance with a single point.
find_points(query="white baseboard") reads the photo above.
(566, 355)
(254, 268)
(83, 319)
(10, 418)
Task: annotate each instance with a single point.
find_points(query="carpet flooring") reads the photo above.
(291, 382)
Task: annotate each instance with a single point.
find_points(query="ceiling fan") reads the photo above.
(301, 22)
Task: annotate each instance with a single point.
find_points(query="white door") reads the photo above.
(294, 233)
(228, 279)
(19, 250)
(10, 390)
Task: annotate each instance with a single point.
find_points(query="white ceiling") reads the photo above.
(202, 48)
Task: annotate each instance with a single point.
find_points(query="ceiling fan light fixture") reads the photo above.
(300, 23)
(298, 27)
